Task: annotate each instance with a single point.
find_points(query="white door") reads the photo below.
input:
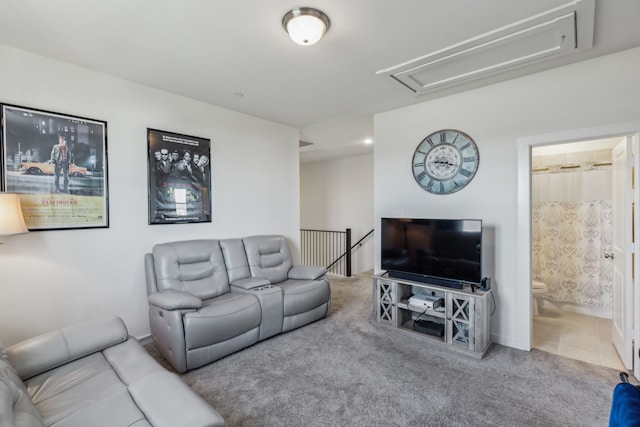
(622, 320)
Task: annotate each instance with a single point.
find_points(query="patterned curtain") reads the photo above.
(568, 242)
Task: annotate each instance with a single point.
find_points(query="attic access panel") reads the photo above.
(558, 32)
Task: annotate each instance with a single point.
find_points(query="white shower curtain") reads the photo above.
(571, 229)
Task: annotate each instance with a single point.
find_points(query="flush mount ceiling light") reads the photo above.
(305, 25)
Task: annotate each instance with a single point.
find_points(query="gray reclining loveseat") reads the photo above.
(210, 298)
(94, 374)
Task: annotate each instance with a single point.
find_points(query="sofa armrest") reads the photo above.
(41, 353)
(306, 272)
(162, 396)
(174, 300)
(168, 402)
(250, 282)
(150, 274)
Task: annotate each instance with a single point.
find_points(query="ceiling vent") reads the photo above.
(555, 33)
(304, 144)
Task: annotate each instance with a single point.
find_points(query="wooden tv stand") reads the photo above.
(464, 315)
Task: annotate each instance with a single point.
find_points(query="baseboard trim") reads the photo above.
(509, 342)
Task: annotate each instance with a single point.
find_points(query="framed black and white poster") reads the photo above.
(179, 178)
(58, 165)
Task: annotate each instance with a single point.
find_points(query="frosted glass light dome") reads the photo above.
(305, 25)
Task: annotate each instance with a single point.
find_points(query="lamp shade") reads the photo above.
(305, 25)
(11, 220)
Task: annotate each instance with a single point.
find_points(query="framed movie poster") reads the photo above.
(179, 178)
(58, 165)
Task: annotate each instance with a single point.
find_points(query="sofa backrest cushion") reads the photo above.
(269, 257)
(193, 266)
(47, 351)
(16, 407)
(235, 258)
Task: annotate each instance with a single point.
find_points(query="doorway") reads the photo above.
(630, 330)
(571, 247)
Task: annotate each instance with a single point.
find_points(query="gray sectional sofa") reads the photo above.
(209, 298)
(94, 374)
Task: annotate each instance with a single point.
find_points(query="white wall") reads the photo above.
(599, 92)
(338, 194)
(51, 279)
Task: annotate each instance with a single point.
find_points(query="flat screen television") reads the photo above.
(445, 252)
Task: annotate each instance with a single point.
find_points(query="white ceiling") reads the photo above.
(212, 50)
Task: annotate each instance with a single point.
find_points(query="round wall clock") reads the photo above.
(445, 161)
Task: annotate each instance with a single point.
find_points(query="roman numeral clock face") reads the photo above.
(445, 161)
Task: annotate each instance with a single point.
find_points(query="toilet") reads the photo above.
(538, 291)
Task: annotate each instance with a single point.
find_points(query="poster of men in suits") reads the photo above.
(179, 178)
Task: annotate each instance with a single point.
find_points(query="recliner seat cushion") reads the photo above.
(83, 391)
(221, 318)
(300, 296)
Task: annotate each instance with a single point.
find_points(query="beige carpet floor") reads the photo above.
(346, 371)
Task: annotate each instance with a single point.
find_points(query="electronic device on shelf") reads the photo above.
(422, 301)
(444, 252)
(428, 327)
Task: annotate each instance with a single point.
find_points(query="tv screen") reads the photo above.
(444, 252)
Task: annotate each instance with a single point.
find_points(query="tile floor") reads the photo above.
(576, 336)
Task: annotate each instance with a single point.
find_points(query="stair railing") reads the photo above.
(332, 249)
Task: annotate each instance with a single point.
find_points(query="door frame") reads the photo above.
(623, 163)
(523, 239)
